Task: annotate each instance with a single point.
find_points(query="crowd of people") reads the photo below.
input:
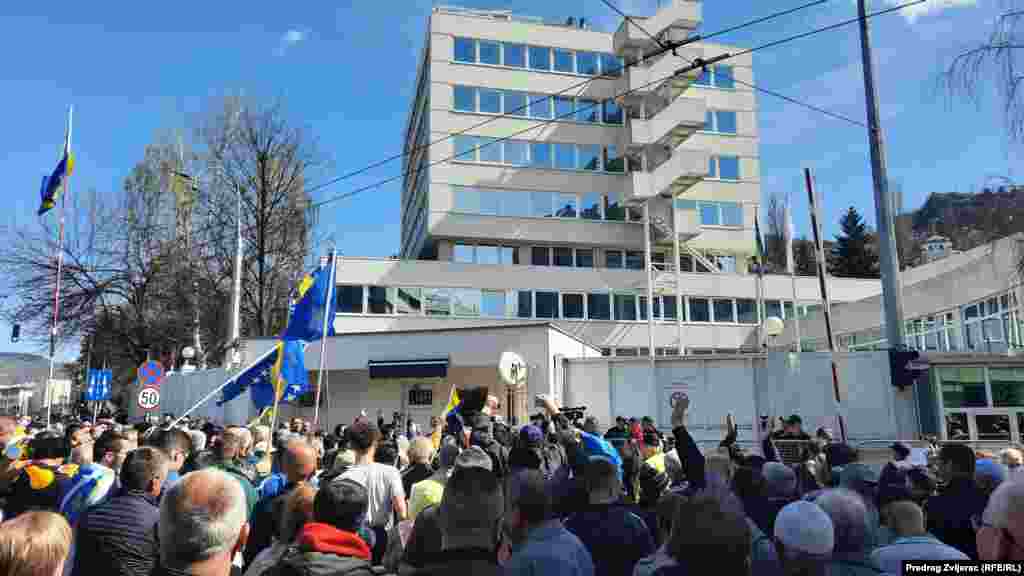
(475, 495)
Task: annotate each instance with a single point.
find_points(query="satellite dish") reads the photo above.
(774, 326)
(188, 353)
(512, 369)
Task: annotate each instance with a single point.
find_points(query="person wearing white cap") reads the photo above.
(804, 537)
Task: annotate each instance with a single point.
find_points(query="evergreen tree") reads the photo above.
(852, 254)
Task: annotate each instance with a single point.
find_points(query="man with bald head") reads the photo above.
(912, 542)
(1000, 534)
(298, 465)
(202, 525)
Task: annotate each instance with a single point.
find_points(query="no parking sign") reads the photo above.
(151, 373)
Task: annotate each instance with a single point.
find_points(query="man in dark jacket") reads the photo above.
(949, 513)
(615, 537)
(118, 537)
(470, 520)
(330, 546)
(299, 464)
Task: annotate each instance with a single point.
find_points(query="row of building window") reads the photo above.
(542, 204)
(714, 213)
(720, 77)
(540, 58)
(634, 352)
(569, 257)
(556, 155)
(530, 105)
(546, 304)
(720, 121)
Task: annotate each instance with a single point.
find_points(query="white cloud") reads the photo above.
(913, 13)
(291, 38)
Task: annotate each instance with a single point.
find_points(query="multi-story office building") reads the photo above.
(548, 165)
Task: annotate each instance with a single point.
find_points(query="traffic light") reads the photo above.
(905, 367)
(15, 332)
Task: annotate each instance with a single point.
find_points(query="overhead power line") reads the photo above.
(699, 63)
(580, 85)
(630, 19)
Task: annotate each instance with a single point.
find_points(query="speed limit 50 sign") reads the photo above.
(149, 398)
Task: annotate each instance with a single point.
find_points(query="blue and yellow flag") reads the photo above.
(255, 376)
(453, 403)
(287, 376)
(306, 321)
(52, 184)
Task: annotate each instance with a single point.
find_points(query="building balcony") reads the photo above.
(682, 15)
(683, 169)
(648, 82)
(671, 126)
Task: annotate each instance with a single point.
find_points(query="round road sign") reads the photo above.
(149, 398)
(151, 373)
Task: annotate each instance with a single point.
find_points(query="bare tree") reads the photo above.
(775, 233)
(992, 64)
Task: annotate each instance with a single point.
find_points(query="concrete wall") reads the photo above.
(181, 391)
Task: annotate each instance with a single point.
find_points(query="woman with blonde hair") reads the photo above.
(34, 544)
(295, 511)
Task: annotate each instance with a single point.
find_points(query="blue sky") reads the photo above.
(347, 73)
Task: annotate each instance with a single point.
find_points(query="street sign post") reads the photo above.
(149, 398)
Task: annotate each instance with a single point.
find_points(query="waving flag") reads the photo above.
(52, 184)
(287, 376)
(252, 377)
(306, 321)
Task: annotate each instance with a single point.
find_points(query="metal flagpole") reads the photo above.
(677, 254)
(791, 265)
(60, 270)
(820, 257)
(323, 336)
(759, 243)
(236, 289)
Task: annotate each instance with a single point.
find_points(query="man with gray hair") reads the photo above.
(1000, 534)
(804, 538)
(202, 525)
(849, 515)
(911, 541)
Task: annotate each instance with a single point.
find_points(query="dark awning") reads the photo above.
(430, 368)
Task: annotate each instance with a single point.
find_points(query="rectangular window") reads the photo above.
(508, 255)
(540, 106)
(515, 203)
(613, 161)
(726, 264)
(517, 152)
(490, 52)
(465, 99)
(465, 302)
(788, 309)
(613, 259)
(378, 300)
(463, 253)
(725, 122)
(566, 205)
(547, 304)
(465, 148)
(723, 77)
(1007, 386)
(963, 387)
(350, 299)
(709, 121)
(723, 311)
(588, 111)
(584, 257)
(562, 256)
(656, 306)
(540, 155)
(515, 103)
(572, 306)
(540, 58)
(439, 301)
(564, 61)
(732, 214)
(613, 207)
(746, 311)
(467, 199)
(612, 113)
(634, 260)
(589, 157)
(489, 149)
(590, 206)
(465, 50)
(409, 301)
(625, 306)
(599, 307)
(771, 308)
(712, 167)
(515, 55)
(564, 109)
(492, 304)
(699, 311)
(586, 63)
(540, 256)
(524, 304)
(611, 65)
(490, 100)
(669, 305)
(729, 167)
(565, 156)
(709, 214)
(490, 202)
(487, 255)
(540, 204)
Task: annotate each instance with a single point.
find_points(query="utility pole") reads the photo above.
(892, 297)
